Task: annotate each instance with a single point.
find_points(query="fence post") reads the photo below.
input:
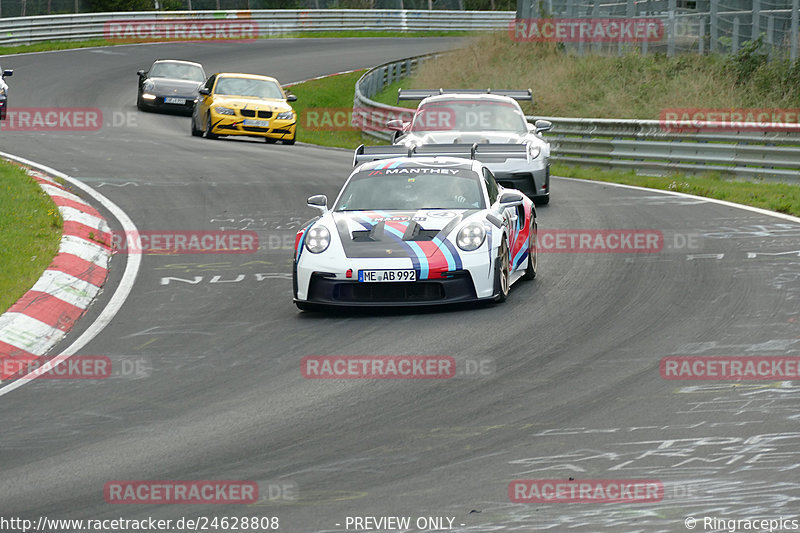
(596, 14)
(714, 26)
(701, 31)
(794, 36)
(672, 6)
(770, 35)
(735, 36)
(756, 18)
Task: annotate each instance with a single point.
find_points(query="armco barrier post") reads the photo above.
(714, 20)
(756, 18)
(794, 36)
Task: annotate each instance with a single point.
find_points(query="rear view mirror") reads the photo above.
(542, 126)
(509, 199)
(140, 73)
(395, 125)
(204, 90)
(8, 73)
(319, 201)
(291, 98)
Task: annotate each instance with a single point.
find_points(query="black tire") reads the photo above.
(208, 133)
(502, 274)
(289, 141)
(270, 140)
(140, 103)
(541, 200)
(195, 131)
(533, 253)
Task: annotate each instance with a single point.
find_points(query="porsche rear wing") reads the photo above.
(421, 94)
(484, 152)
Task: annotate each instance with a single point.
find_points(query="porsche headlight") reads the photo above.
(471, 237)
(224, 111)
(318, 239)
(286, 115)
(534, 150)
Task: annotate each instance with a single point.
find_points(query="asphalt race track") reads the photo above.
(569, 382)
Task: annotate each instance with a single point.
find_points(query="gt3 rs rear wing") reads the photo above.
(421, 94)
(483, 152)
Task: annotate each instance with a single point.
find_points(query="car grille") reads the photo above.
(388, 292)
(253, 113)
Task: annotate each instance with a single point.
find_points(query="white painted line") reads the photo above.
(117, 299)
(684, 195)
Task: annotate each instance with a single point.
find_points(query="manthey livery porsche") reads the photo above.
(417, 227)
(169, 85)
(244, 104)
(472, 116)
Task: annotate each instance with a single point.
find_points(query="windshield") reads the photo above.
(469, 116)
(411, 189)
(177, 71)
(248, 87)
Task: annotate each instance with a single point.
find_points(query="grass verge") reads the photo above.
(30, 231)
(50, 46)
(324, 112)
(780, 197)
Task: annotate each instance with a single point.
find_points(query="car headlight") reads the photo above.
(286, 115)
(471, 237)
(534, 150)
(224, 111)
(318, 239)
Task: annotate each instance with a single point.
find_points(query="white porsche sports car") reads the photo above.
(417, 227)
(472, 116)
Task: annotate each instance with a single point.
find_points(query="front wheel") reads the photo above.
(195, 131)
(533, 253)
(501, 277)
(289, 141)
(209, 133)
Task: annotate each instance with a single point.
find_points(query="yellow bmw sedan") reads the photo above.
(244, 104)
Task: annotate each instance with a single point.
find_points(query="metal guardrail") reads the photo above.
(618, 143)
(27, 30)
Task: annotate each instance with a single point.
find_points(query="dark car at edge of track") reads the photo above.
(169, 85)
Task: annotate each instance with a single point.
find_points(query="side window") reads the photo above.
(491, 185)
(210, 82)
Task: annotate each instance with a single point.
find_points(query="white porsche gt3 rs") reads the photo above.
(421, 229)
(472, 116)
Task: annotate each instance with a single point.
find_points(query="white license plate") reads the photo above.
(173, 100)
(387, 275)
(257, 123)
